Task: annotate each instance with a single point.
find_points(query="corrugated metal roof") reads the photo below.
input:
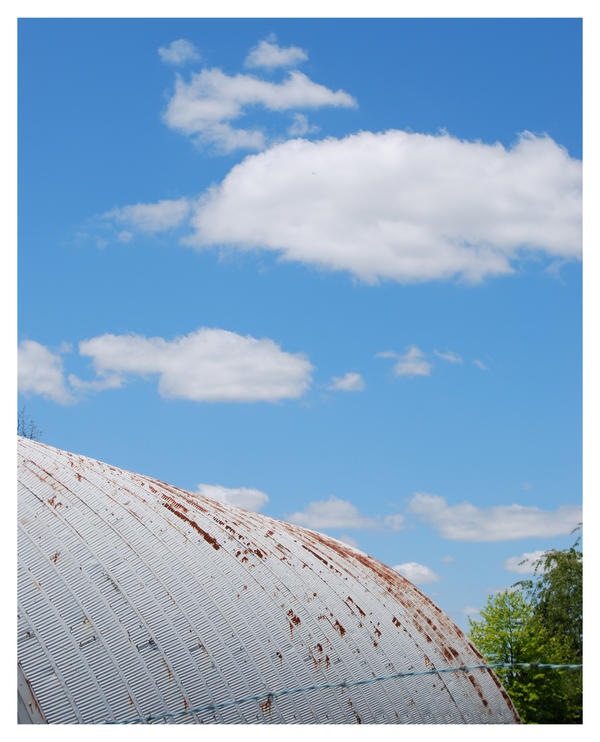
(138, 598)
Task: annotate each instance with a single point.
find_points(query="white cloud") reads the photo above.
(350, 382)
(447, 559)
(394, 521)
(179, 52)
(155, 217)
(417, 573)
(338, 513)
(268, 54)
(41, 372)
(524, 564)
(399, 205)
(480, 364)
(206, 104)
(240, 497)
(332, 513)
(449, 356)
(527, 486)
(466, 522)
(208, 365)
(105, 381)
(412, 363)
(300, 126)
(470, 610)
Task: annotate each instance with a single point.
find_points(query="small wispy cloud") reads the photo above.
(480, 364)
(150, 217)
(470, 610)
(241, 497)
(350, 382)
(179, 52)
(411, 363)
(338, 513)
(332, 513)
(267, 53)
(449, 356)
(300, 126)
(420, 574)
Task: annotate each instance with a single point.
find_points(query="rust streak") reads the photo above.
(206, 536)
(314, 553)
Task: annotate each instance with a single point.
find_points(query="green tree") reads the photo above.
(556, 592)
(510, 632)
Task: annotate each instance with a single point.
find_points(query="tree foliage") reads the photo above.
(557, 594)
(539, 620)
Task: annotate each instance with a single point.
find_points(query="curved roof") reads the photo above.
(137, 598)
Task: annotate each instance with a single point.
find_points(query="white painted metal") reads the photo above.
(137, 598)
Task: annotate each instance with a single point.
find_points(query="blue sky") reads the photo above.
(328, 269)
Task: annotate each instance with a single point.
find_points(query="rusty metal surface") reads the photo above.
(137, 597)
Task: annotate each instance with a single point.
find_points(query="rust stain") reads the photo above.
(358, 721)
(185, 703)
(55, 557)
(169, 674)
(395, 621)
(206, 536)
(78, 475)
(338, 627)
(52, 501)
(130, 700)
(265, 706)
(293, 617)
(280, 656)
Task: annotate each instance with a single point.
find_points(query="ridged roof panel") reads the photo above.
(138, 598)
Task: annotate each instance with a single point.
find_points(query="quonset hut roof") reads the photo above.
(137, 599)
